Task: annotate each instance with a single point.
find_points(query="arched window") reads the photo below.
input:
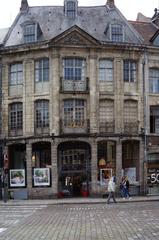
(74, 112)
(130, 116)
(16, 118)
(42, 114)
(106, 115)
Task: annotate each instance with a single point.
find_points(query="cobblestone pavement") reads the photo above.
(121, 221)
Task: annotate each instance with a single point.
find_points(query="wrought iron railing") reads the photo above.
(74, 85)
(74, 126)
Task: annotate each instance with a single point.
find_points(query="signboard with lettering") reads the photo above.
(152, 176)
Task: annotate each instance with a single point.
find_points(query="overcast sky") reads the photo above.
(129, 8)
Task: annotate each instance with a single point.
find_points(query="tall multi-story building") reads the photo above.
(75, 100)
(148, 29)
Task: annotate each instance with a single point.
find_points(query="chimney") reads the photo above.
(110, 3)
(24, 6)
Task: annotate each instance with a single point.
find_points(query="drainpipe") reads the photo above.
(145, 122)
(1, 142)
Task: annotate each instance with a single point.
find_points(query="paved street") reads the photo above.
(121, 221)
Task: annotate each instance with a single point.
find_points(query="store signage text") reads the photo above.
(153, 175)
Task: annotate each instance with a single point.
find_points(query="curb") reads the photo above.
(74, 202)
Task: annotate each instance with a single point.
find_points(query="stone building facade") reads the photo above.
(75, 102)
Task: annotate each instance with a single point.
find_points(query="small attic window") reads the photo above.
(31, 32)
(71, 9)
(117, 33)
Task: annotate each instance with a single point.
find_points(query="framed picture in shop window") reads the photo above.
(17, 178)
(41, 177)
(105, 173)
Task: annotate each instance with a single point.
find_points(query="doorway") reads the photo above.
(74, 168)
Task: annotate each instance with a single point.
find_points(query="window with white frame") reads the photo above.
(154, 119)
(105, 70)
(74, 112)
(42, 70)
(42, 114)
(154, 81)
(129, 71)
(117, 33)
(71, 9)
(16, 116)
(74, 69)
(16, 74)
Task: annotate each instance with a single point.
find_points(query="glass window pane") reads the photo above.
(129, 71)
(74, 69)
(154, 81)
(16, 116)
(16, 74)
(42, 70)
(105, 70)
(42, 113)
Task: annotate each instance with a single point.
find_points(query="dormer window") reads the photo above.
(31, 32)
(70, 8)
(117, 33)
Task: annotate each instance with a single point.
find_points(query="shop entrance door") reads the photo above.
(74, 169)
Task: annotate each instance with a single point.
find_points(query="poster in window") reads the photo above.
(105, 173)
(17, 178)
(41, 177)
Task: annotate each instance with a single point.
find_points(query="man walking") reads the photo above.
(111, 189)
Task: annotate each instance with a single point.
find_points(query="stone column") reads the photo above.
(55, 96)
(54, 168)
(28, 100)
(142, 173)
(118, 161)
(94, 168)
(29, 165)
(118, 94)
(5, 102)
(93, 93)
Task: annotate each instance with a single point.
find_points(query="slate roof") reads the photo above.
(145, 29)
(93, 20)
(3, 33)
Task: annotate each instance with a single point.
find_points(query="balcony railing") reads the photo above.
(131, 127)
(106, 127)
(74, 85)
(74, 126)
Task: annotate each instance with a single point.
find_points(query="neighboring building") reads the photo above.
(75, 103)
(149, 31)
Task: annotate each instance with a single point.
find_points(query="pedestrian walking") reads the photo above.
(127, 185)
(124, 187)
(111, 189)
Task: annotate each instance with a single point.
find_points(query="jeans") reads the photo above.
(125, 192)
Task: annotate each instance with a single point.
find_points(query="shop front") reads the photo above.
(153, 174)
(74, 169)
